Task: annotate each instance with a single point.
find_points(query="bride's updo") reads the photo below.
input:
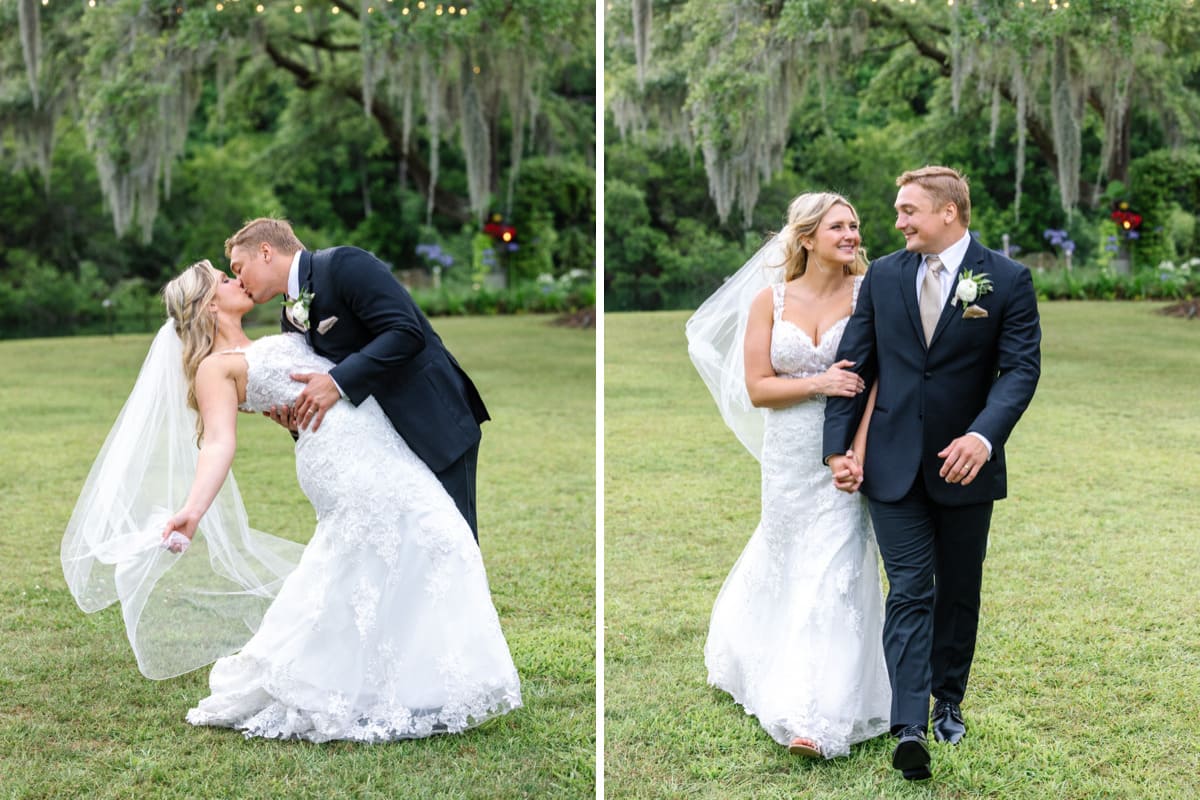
(804, 216)
(188, 299)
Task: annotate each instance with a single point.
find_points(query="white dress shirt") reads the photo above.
(293, 289)
(952, 258)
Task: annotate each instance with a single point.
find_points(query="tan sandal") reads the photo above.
(804, 747)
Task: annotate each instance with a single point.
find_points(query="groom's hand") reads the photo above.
(964, 458)
(847, 472)
(316, 399)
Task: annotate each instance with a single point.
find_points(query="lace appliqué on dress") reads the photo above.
(795, 634)
(386, 629)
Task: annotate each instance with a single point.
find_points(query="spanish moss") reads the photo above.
(476, 143)
(1065, 112)
(641, 37)
(28, 17)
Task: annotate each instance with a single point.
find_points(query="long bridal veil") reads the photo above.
(715, 335)
(181, 611)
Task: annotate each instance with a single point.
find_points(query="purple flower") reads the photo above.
(434, 254)
(1055, 236)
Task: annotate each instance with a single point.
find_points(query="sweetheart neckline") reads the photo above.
(815, 344)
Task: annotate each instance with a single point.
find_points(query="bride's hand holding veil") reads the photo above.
(179, 613)
(217, 397)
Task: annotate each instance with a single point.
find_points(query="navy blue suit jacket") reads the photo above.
(384, 346)
(975, 375)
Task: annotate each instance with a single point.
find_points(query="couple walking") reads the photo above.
(900, 383)
(382, 627)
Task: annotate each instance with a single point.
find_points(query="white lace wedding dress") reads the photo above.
(386, 628)
(795, 634)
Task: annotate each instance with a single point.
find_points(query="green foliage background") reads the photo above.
(264, 142)
(876, 97)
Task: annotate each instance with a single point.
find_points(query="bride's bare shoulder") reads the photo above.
(224, 366)
(764, 298)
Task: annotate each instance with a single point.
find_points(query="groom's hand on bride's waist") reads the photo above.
(319, 395)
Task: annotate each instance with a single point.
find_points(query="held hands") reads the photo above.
(847, 472)
(839, 381)
(964, 458)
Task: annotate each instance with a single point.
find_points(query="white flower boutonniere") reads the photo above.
(970, 288)
(298, 309)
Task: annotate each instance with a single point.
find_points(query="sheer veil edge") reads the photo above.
(181, 611)
(715, 335)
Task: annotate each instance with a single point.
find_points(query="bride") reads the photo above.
(381, 628)
(795, 633)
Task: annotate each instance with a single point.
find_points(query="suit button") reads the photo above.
(928, 375)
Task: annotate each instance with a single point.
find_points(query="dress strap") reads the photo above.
(232, 351)
(858, 279)
(778, 289)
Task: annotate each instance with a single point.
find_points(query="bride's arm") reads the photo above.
(768, 390)
(217, 396)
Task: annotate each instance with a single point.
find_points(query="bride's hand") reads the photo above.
(284, 416)
(839, 381)
(184, 523)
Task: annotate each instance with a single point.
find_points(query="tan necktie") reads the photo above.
(931, 296)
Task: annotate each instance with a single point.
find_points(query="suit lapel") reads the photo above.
(951, 312)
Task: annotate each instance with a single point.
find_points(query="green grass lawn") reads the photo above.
(1087, 675)
(77, 720)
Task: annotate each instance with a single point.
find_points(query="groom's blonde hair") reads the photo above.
(276, 232)
(944, 185)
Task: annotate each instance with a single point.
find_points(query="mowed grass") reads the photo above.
(1087, 674)
(77, 720)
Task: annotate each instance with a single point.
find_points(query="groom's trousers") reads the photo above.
(933, 555)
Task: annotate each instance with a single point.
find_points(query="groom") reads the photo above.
(353, 311)
(950, 331)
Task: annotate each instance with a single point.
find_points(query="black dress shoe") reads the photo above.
(948, 725)
(912, 754)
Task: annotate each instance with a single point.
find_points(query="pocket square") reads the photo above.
(327, 323)
(974, 312)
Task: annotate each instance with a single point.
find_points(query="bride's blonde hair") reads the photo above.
(188, 299)
(805, 213)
